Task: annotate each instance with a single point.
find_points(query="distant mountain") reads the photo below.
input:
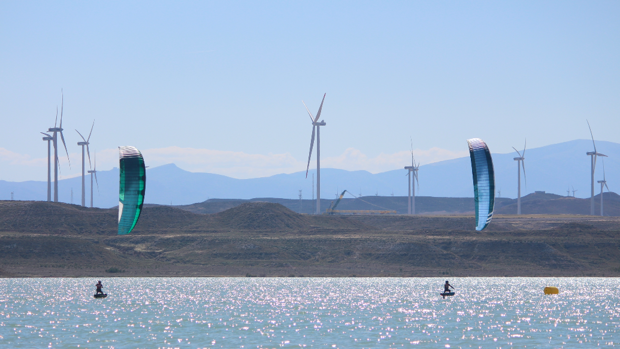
(554, 169)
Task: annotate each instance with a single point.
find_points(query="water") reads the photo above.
(308, 312)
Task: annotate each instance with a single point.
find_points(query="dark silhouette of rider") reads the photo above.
(99, 287)
(446, 287)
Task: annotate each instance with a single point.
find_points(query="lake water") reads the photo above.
(308, 312)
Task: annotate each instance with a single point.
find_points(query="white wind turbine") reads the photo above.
(93, 172)
(56, 130)
(85, 142)
(316, 130)
(603, 184)
(520, 165)
(49, 138)
(593, 155)
(412, 182)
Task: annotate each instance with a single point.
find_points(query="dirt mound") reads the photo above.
(165, 218)
(261, 216)
(53, 218)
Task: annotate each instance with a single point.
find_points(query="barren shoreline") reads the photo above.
(40, 239)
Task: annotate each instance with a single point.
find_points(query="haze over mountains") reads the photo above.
(554, 169)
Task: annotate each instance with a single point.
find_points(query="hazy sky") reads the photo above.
(218, 86)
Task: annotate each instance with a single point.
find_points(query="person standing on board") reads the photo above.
(446, 287)
(100, 286)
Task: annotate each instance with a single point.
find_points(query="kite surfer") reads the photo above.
(446, 287)
(446, 290)
(99, 287)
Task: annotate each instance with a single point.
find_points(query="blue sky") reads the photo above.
(217, 86)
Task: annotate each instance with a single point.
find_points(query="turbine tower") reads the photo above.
(520, 165)
(316, 129)
(56, 130)
(412, 180)
(85, 142)
(593, 155)
(603, 184)
(49, 138)
(93, 172)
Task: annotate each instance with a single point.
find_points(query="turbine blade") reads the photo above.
(90, 165)
(607, 186)
(524, 175)
(517, 151)
(56, 120)
(412, 159)
(62, 107)
(603, 161)
(591, 135)
(63, 143)
(91, 131)
(97, 181)
(43, 133)
(311, 146)
(80, 135)
(524, 146)
(309, 113)
(318, 115)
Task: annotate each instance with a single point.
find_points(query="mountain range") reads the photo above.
(558, 168)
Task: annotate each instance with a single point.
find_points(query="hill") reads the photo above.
(424, 204)
(46, 239)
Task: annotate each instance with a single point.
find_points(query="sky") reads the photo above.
(218, 86)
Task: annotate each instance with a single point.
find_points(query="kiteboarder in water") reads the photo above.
(99, 287)
(446, 289)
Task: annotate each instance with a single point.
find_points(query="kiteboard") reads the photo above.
(101, 295)
(446, 294)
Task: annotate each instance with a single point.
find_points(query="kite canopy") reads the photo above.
(132, 188)
(484, 181)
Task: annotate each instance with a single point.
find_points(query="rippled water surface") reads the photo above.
(308, 312)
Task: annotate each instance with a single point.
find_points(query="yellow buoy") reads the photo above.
(551, 290)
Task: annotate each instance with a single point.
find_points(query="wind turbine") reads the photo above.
(412, 180)
(520, 164)
(93, 172)
(49, 138)
(574, 190)
(85, 143)
(603, 183)
(316, 129)
(593, 155)
(55, 130)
